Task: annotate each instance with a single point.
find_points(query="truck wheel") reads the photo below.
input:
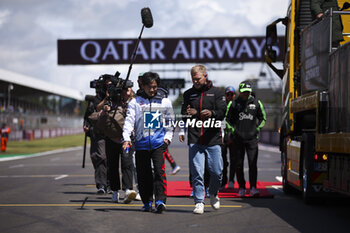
(307, 196)
(307, 153)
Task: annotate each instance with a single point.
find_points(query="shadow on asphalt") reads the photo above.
(91, 201)
(85, 193)
(132, 209)
(331, 215)
(76, 184)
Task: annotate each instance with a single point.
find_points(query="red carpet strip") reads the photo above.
(183, 189)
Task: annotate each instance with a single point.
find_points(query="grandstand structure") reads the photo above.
(34, 109)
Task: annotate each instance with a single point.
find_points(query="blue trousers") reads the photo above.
(198, 154)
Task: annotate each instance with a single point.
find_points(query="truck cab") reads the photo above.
(315, 129)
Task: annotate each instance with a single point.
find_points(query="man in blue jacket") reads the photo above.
(146, 115)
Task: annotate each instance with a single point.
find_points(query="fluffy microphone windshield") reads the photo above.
(146, 16)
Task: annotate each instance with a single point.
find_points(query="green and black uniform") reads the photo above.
(244, 120)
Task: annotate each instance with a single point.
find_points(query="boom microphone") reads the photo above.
(147, 22)
(146, 16)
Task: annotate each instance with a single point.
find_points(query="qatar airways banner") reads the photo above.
(164, 50)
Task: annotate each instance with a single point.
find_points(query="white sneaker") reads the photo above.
(254, 192)
(130, 195)
(230, 185)
(215, 202)
(175, 170)
(241, 192)
(115, 196)
(199, 208)
(138, 197)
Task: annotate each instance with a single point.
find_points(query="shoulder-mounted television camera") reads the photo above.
(112, 84)
(99, 85)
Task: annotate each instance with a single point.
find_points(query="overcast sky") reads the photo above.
(29, 30)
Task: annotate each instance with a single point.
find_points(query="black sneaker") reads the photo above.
(101, 191)
(160, 207)
(109, 190)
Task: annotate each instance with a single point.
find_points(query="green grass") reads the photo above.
(42, 145)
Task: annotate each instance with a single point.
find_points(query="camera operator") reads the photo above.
(97, 144)
(110, 122)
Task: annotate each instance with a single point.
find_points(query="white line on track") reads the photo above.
(55, 159)
(277, 187)
(17, 166)
(60, 177)
(40, 154)
(43, 176)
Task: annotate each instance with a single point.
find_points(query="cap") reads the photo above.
(230, 89)
(141, 74)
(245, 86)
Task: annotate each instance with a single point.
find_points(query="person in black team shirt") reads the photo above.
(230, 94)
(246, 118)
(203, 104)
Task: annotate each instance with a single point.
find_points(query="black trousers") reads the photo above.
(170, 159)
(114, 151)
(233, 161)
(151, 182)
(224, 170)
(127, 170)
(232, 164)
(98, 159)
(251, 147)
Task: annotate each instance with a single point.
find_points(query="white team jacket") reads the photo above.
(146, 117)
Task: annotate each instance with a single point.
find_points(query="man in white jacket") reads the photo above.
(147, 115)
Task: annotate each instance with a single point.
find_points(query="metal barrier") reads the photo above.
(18, 135)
